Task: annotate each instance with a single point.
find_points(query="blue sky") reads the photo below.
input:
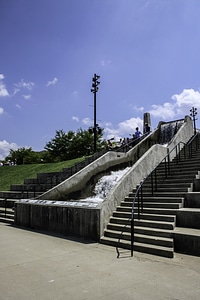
(146, 52)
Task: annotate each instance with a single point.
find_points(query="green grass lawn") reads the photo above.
(17, 174)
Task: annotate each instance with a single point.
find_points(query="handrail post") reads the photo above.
(179, 152)
(190, 151)
(155, 180)
(184, 152)
(165, 168)
(141, 199)
(5, 207)
(176, 155)
(138, 206)
(151, 184)
(132, 234)
(196, 142)
(168, 160)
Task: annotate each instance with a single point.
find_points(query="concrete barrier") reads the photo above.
(65, 220)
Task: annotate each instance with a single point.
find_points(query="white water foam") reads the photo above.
(104, 185)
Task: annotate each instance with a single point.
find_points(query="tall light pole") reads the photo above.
(193, 113)
(94, 90)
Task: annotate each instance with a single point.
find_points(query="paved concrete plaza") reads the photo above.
(43, 267)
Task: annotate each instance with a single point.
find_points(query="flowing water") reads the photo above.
(104, 185)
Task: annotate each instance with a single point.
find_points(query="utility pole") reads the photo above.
(193, 113)
(94, 90)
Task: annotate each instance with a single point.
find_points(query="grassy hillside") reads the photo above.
(17, 174)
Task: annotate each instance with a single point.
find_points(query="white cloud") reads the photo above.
(16, 90)
(75, 93)
(18, 106)
(188, 97)
(179, 107)
(105, 63)
(136, 108)
(52, 82)
(27, 96)
(75, 119)
(5, 148)
(125, 128)
(25, 85)
(3, 90)
(163, 112)
(1, 110)
(88, 122)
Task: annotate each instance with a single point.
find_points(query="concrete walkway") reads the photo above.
(42, 267)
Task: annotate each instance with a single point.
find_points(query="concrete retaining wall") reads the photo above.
(187, 243)
(188, 218)
(192, 200)
(68, 221)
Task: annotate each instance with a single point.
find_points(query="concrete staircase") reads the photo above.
(154, 230)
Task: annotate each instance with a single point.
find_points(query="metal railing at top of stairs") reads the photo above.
(188, 149)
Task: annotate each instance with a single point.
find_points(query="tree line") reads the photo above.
(63, 146)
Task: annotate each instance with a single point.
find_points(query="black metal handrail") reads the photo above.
(166, 159)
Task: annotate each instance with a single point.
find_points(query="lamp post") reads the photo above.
(94, 90)
(193, 113)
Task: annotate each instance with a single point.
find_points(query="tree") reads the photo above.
(23, 156)
(59, 146)
(65, 146)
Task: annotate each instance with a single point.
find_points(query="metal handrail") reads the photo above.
(139, 189)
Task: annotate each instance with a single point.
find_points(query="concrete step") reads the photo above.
(10, 195)
(181, 168)
(140, 247)
(170, 190)
(164, 194)
(159, 211)
(170, 182)
(192, 164)
(129, 200)
(7, 203)
(160, 205)
(143, 223)
(141, 230)
(30, 188)
(127, 214)
(18, 195)
(174, 175)
(140, 238)
(7, 215)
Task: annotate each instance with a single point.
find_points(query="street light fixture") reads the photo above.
(94, 90)
(193, 113)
